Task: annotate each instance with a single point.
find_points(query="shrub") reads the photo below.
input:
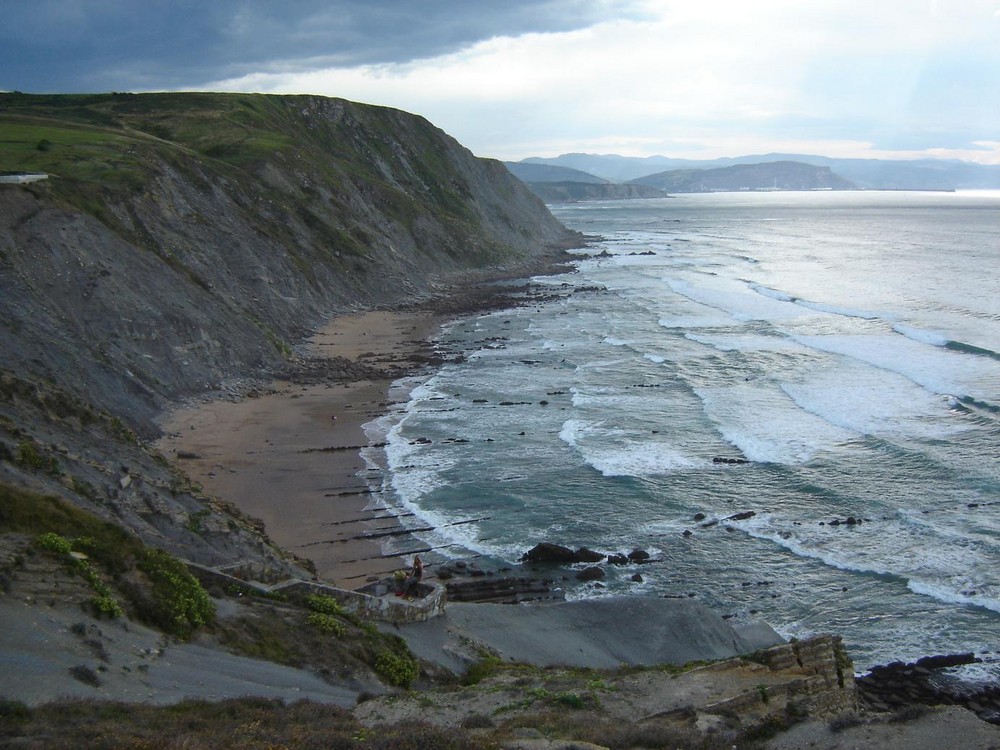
(175, 601)
(106, 605)
(102, 604)
(327, 623)
(30, 456)
(326, 605)
(572, 700)
(54, 543)
(480, 670)
(396, 665)
(179, 604)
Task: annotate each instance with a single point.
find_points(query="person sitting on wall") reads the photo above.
(416, 575)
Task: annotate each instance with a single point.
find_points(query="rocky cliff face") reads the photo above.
(183, 239)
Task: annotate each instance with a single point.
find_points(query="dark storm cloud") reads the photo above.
(121, 45)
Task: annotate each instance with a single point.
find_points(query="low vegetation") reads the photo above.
(251, 723)
(124, 574)
(127, 577)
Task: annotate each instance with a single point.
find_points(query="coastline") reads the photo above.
(289, 454)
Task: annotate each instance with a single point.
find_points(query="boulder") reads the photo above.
(593, 573)
(588, 555)
(546, 552)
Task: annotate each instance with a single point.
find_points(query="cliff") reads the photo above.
(182, 240)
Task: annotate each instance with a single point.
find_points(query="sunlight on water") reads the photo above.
(844, 344)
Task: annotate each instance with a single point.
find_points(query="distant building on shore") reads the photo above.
(19, 178)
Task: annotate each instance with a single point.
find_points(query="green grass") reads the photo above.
(97, 146)
(90, 137)
(72, 152)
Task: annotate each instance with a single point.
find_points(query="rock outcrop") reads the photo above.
(927, 682)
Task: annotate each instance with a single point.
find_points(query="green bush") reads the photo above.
(572, 700)
(174, 602)
(395, 664)
(104, 603)
(327, 623)
(54, 543)
(179, 604)
(326, 605)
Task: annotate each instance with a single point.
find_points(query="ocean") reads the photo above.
(823, 366)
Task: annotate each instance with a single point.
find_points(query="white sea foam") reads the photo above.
(735, 298)
(846, 312)
(832, 351)
(766, 425)
(934, 338)
(772, 293)
(875, 402)
(685, 321)
(939, 370)
(948, 571)
(947, 594)
(612, 341)
(747, 343)
(614, 454)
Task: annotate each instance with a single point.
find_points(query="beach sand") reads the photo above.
(290, 457)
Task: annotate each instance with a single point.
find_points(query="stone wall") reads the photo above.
(377, 603)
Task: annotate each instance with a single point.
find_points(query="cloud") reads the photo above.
(780, 72)
(101, 45)
(525, 77)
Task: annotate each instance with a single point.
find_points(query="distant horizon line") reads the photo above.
(949, 159)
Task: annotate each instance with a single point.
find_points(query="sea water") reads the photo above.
(844, 348)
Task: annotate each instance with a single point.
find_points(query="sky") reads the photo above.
(517, 78)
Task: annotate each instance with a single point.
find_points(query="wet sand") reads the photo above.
(291, 457)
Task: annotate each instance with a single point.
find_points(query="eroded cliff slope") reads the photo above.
(183, 239)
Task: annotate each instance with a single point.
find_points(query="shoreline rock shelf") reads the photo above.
(927, 681)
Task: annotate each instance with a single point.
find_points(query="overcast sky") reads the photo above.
(518, 78)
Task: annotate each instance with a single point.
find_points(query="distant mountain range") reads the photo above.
(564, 185)
(776, 175)
(868, 174)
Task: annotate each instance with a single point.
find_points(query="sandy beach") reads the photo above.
(290, 456)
